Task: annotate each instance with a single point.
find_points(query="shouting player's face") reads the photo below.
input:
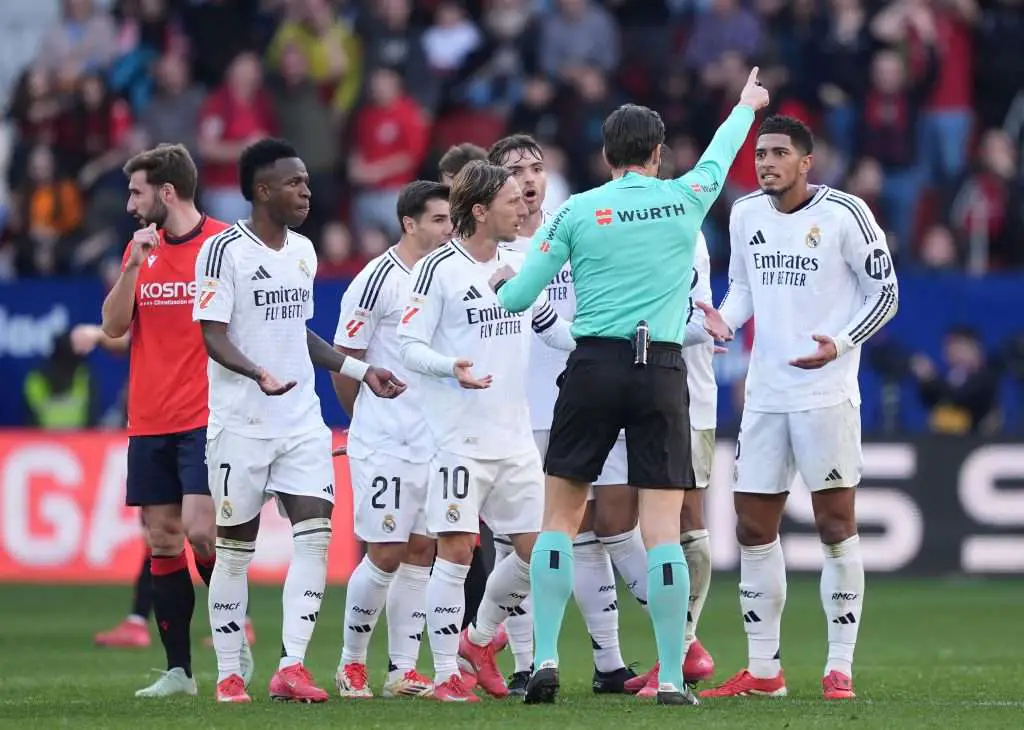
(506, 212)
(434, 227)
(144, 203)
(287, 192)
(779, 164)
(528, 168)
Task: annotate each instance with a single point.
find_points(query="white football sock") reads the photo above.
(697, 550)
(762, 598)
(842, 596)
(364, 602)
(594, 588)
(519, 626)
(228, 598)
(407, 610)
(304, 587)
(507, 586)
(630, 558)
(446, 602)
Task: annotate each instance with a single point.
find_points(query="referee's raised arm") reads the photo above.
(631, 244)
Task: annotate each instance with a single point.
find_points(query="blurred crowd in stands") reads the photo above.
(917, 105)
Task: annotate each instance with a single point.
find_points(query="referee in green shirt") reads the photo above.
(631, 245)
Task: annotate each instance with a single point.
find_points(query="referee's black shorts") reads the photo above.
(602, 391)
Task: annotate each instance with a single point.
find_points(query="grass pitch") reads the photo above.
(935, 653)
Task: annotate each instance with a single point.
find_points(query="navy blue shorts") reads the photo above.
(161, 469)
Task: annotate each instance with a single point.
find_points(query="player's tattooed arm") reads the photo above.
(382, 382)
(223, 352)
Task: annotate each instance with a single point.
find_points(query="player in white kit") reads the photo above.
(812, 266)
(594, 589)
(486, 466)
(698, 352)
(266, 436)
(389, 450)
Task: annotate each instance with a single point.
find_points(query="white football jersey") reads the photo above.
(700, 375)
(265, 297)
(452, 311)
(824, 269)
(371, 309)
(546, 362)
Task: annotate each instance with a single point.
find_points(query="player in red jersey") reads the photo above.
(167, 392)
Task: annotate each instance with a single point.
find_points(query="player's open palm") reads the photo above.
(143, 242)
(713, 322)
(821, 357)
(463, 372)
(383, 383)
(754, 95)
(272, 386)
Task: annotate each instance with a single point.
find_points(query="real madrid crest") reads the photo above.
(304, 268)
(813, 237)
(389, 524)
(452, 515)
(225, 510)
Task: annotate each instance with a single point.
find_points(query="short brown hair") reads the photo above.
(458, 156)
(507, 146)
(167, 164)
(477, 184)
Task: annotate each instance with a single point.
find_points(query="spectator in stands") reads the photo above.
(92, 135)
(493, 74)
(943, 28)
(218, 31)
(843, 54)
(233, 116)
(35, 107)
(373, 242)
(390, 143)
(304, 117)
(938, 250)
(392, 42)
(144, 33)
(988, 206)
(49, 209)
(726, 27)
(172, 114)
(889, 127)
(83, 40)
(535, 113)
(451, 38)
(60, 394)
(584, 111)
(338, 258)
(999, 57)
(581, 34)
(331, 52)
(961, 400)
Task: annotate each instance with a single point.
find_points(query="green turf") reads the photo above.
(932, 654)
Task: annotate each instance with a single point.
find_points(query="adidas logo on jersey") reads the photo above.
(833, 476)
(471, 294)
(757, 239)
(260, 274)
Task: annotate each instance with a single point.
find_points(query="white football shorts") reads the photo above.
(246, 472)
(822, 445)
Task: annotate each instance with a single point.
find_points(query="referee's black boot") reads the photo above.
(673, 697)
(606, 683)
(542, 687)
(517, 683)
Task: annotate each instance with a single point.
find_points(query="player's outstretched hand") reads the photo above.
(144, 241)
(85, 338)
(463, 372)
(821, 357)
(383, 383)
(714, 325)
(272, 386)
(754, 95)
(503, 273)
